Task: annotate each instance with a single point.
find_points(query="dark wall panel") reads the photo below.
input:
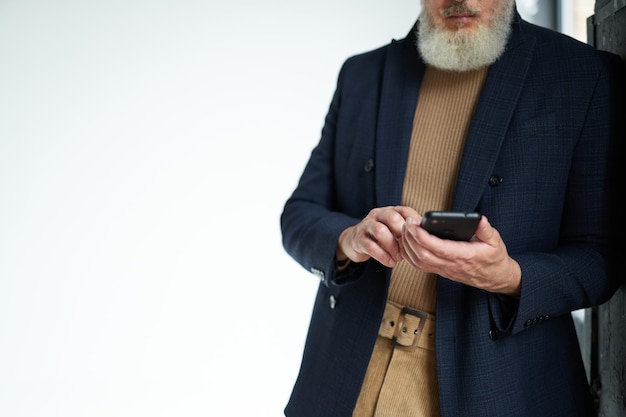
(607, 31)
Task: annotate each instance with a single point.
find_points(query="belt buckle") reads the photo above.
(417, 333)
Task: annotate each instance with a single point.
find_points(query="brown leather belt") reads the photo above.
(408, 328)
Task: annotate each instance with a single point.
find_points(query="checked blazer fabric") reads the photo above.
(534, 162)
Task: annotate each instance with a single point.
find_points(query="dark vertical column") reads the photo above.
(606, 30)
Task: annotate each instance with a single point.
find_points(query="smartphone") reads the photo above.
(454, 225)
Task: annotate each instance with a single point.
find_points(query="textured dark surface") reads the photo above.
(612, 355)
(607, 31)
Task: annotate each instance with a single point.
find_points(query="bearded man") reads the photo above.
(476, 110)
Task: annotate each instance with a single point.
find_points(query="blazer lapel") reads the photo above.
(402, 76)
(399, 93)
(492, 116)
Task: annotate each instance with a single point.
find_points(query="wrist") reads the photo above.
(516, 279)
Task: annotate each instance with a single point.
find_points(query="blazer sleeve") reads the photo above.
(578, 273)
(334, 190)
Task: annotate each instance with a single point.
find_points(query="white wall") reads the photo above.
(146, 150)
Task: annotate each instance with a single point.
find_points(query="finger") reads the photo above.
(414, 233)
(392, 218)
(429, 248)
(407, 212)
(385, 257)
(411, 242)
(486, 233)
(376, 240)
(379, 251)
(409, 253)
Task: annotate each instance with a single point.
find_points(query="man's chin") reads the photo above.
(465, 45)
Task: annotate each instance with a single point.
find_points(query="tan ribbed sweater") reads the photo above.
(442, 118)
(399, 383)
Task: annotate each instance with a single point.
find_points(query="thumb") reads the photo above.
(485, 232)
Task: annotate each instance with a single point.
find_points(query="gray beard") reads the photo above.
(464, 50)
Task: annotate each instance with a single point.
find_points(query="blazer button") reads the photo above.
(319, 273)
(332, 301)
(494, 334)
(495, 180)
(369, 165)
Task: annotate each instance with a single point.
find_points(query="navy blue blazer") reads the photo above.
(534, 162)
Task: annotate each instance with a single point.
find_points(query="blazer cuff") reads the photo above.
(502, 311)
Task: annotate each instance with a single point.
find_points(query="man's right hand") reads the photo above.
(376, 236)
